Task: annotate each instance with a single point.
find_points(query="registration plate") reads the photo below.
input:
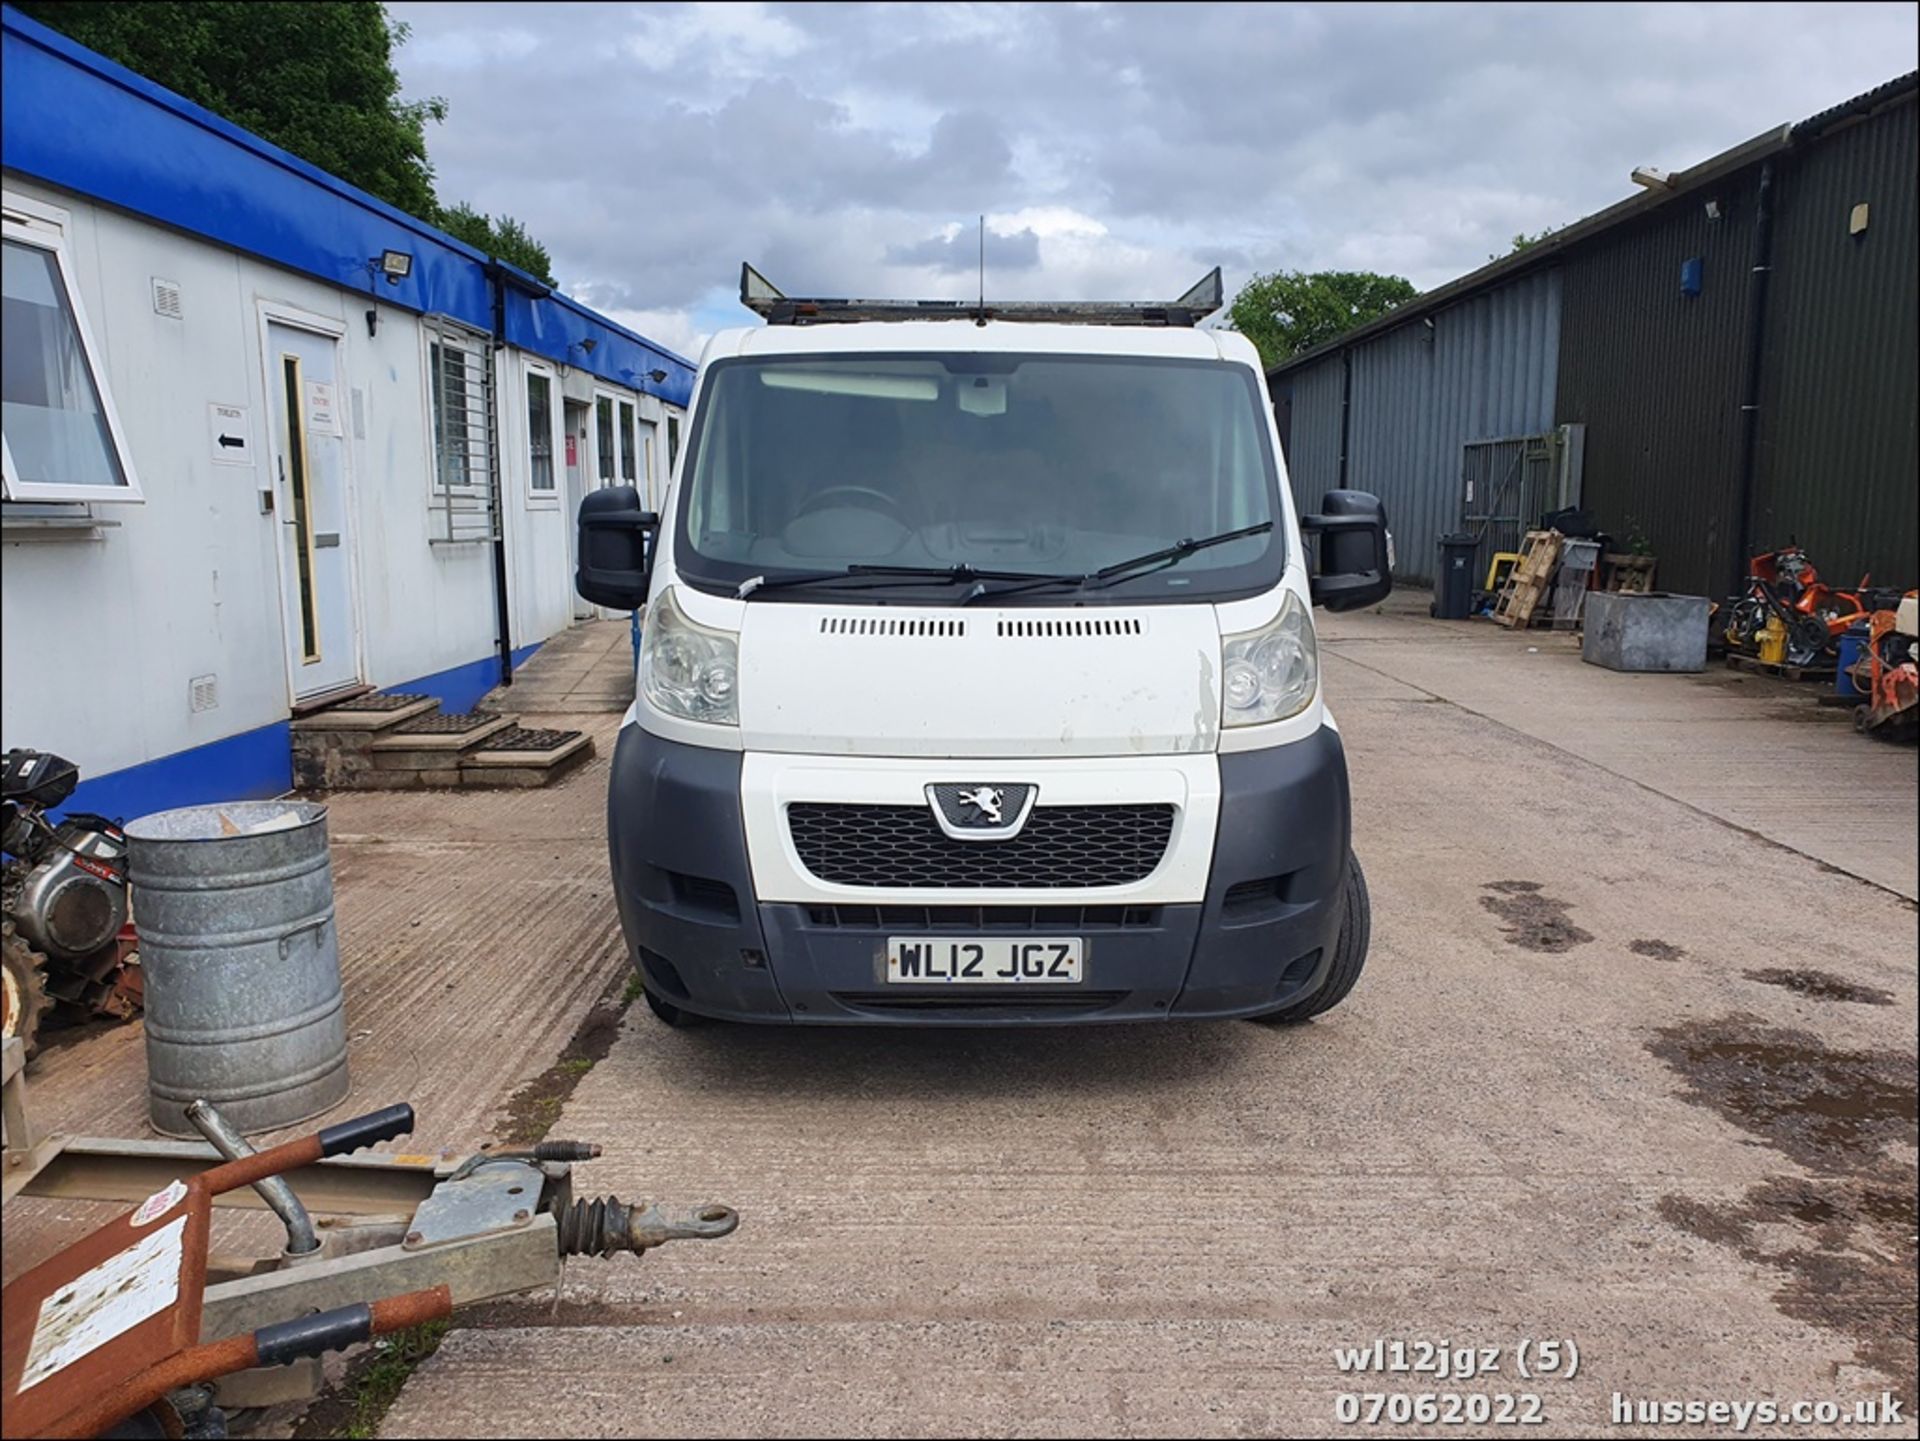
(989, 961)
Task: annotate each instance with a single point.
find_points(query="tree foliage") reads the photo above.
(500, 236)
(1290, 310)
(1523, 241)
(315, 77)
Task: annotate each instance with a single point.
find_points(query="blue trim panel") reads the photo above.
(555, 326)
(253, 765)
(75, 119)
(461, 687)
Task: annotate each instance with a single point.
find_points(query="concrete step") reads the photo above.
(525, 756)
(333, 748)
(368, 713)
(436, 742)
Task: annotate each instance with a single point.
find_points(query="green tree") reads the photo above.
(1523, 241)
(1290, 311)
(501, 236)
(314, 78)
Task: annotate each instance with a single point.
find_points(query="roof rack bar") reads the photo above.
(765, 299)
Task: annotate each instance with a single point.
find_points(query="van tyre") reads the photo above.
(671, 1014)
(1349, 955)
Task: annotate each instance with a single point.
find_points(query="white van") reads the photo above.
(978, 683)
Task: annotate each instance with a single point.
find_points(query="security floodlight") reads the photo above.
(1653, 177)
(396, 265)
(656, 376)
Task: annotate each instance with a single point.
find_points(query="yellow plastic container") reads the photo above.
(1773, 642)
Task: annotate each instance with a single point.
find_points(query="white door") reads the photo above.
(576, 437)
(310, 500)
(650, 483)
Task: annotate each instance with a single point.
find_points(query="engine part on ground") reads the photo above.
(64, 893)
(23, 989)
(73, 898)
(607, 1225)
(37, 780)
(1783, 586)
(1889, 675)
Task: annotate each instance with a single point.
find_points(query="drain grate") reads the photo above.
(446, 725)
(379, 702)
(526, 738)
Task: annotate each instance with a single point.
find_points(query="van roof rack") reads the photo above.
(759, 295)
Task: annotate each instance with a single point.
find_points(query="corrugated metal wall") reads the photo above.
(1484, 371)
(1838, 456)
(1655, 376)
(1313, 442)
(1607, 339)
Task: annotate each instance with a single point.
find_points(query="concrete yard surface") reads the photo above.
(1631, 1068)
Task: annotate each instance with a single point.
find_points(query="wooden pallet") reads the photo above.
(1527, 585)
(1755, 666)
(1629, 574)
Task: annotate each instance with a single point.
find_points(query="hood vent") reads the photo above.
(891, 625)
(1063, 629)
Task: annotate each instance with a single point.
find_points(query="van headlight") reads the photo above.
(687, 670)
(1270, 673)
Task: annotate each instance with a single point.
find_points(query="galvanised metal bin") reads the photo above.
(234, 909)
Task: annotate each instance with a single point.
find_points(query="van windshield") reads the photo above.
(1016, 464)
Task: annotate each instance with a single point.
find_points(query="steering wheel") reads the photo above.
(819, 497)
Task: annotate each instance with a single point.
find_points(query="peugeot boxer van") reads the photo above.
(978, 681)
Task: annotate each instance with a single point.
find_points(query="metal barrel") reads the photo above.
(234, 908)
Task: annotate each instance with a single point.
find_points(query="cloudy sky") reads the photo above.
(1116, 150)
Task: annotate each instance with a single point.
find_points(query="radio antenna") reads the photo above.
(980, 315)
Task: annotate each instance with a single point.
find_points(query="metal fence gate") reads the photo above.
(1506, 485)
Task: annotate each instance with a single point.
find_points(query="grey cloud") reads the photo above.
(962, 251)
(1134, 145)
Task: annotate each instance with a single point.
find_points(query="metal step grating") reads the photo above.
(527, 738)
(446, 725)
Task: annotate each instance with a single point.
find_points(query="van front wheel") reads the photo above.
(1349, 955)
(671, 1014)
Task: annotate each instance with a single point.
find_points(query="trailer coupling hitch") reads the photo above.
(602, 1227)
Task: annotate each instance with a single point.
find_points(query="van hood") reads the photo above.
(949, 681)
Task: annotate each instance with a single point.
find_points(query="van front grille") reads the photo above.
(1059, 848)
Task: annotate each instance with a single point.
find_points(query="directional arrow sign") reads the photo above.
(230, 434)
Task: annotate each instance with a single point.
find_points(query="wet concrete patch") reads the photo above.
(1533, 921)
(1849, 1266)
(1829, 1109)
(1657, 950)
(532, 1110)
(1822, 986)
(1850, 1262)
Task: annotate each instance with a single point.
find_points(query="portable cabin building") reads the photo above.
(269, 440)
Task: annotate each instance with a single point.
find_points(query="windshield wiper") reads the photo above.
(880, 576)
(1120, 569)
(1172, 554)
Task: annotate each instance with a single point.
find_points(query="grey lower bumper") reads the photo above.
(1262, 939)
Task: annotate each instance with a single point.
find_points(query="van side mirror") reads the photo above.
(615, 550)
(1356, 552)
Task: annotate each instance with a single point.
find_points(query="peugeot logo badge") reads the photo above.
(981, 811)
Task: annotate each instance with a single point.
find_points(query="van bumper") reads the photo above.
(1261, 940)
